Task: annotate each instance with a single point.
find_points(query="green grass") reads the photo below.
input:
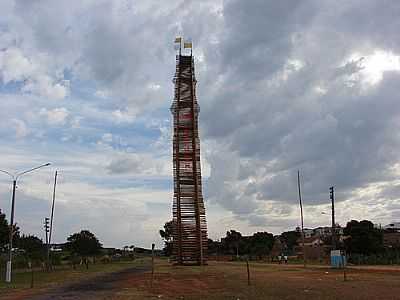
(64, 274)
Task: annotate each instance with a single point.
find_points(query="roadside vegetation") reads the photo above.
(64, 274)
(363, 242)
(81, 255)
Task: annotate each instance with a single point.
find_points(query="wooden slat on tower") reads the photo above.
(190, 228)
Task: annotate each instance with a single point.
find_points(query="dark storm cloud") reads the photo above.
(257, 35)
(391, 193)
(272, 116)
(370, 21)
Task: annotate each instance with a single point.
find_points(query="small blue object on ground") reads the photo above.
(338, 259)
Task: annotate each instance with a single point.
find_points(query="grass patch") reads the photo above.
(65, 274)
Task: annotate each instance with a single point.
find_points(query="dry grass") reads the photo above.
(61, 275)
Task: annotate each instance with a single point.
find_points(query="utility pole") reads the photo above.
(302, 220)
(332, 197)
(152, 264)
(319, 247)
(52, 214)
(47, 229)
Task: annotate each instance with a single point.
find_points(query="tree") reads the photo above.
(4, 230)
(232, 242)
(289, 240)
(213, 247)
(84, 244)
(261, 243)
(278, 248)
(363, 238)
(33, 247)
(167, 235)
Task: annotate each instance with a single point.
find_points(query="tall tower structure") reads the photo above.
(190, 228)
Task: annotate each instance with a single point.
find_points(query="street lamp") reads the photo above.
(15, 178)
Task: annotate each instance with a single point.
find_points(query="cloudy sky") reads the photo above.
(282, 85)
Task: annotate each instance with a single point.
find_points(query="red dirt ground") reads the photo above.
(170, 284)
(223, 280)
(270, 282)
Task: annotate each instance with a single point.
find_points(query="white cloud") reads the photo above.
(107, 138)
(120, 116)
(154, 86)
(56, 116)
(21, 130)
(44, 86)
(142, 164)
(373, 66)
(16, 67)
(102, 93)
(76, 122)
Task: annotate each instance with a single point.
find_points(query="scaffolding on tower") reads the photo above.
(189, 219)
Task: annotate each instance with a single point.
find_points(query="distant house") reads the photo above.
(308, 232)
(391, 239)
(313, 241)
(393, 226)
(327, 231)
(321, 231)
(58, 247)
(314, 247)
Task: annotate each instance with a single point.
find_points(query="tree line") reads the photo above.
(30, 248)
(362, 241)
(234, 243)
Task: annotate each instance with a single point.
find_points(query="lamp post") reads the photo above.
(15, 178)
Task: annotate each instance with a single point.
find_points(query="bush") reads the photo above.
(56, 259)
(385, 258)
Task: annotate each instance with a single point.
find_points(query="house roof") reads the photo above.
(310, 240)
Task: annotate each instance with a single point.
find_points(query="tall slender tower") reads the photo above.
(190, 228)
